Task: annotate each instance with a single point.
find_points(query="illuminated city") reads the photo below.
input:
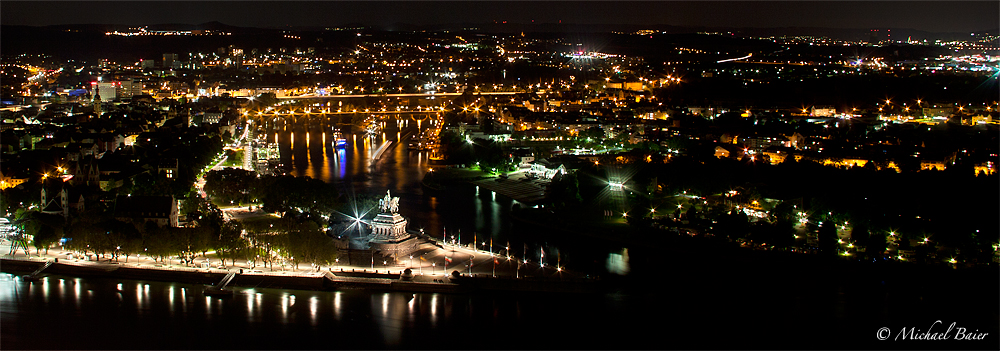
(455, 175)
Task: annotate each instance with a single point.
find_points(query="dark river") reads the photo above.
(730, 310)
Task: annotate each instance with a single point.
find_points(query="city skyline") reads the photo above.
(932, 16)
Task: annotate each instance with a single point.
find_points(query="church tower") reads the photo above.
(97, 101)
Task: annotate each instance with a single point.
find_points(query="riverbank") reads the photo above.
(179, 275)
(324, 280)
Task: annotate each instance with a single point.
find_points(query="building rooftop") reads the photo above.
(143, 206)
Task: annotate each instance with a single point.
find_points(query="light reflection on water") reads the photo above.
(138, 296)
(45, 288)
(391, 324)
(313, 309)
(250, 297)
(208, 307)
(390, 319)
(617, 263)
(434, 309)
(38, 315)
(284, 308)
(336, 305)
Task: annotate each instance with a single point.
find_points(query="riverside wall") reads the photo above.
(312, 281)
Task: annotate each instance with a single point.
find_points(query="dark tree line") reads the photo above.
(272, 193)
(489, 155)
(954, 207)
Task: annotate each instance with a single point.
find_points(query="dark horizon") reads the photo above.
(930, 16)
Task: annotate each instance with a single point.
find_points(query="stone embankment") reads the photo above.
(327, 280)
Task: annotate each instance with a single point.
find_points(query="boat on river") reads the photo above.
(211, 290)
(339, 140)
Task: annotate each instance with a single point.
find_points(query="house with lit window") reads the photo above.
(168, 167)
(727, 151)
(10, 182)
(759, 142)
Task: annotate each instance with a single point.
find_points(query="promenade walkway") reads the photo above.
(427, 264)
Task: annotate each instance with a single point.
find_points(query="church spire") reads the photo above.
(97, 101)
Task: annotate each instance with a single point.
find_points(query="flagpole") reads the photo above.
(508, 252)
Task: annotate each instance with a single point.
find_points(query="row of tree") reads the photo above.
(293, 239)
(270, 242)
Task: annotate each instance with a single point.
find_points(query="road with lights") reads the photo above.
(313, 96)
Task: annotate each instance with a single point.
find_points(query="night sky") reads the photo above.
(934, 16)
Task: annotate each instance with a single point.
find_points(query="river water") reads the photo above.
(669, 312)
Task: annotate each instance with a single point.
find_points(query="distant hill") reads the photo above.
(214, 25)
(838, 33)
(88, 41)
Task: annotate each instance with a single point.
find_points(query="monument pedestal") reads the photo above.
(389, 236)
